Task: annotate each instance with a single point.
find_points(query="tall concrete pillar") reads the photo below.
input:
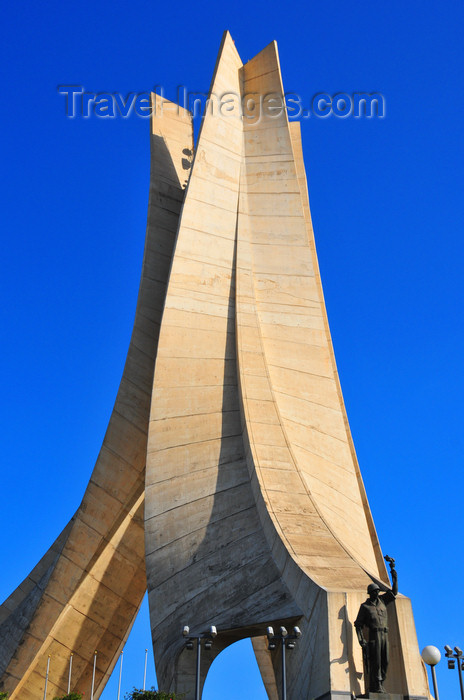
(255, 507)
(86, 591)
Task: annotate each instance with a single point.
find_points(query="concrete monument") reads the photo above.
(230, 425)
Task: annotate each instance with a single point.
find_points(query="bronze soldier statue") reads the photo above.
(373, 615)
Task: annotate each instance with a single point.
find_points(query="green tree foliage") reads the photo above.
(151, 695)
(69, 696)
(3, 696)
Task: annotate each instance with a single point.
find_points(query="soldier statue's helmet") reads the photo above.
(373, 587)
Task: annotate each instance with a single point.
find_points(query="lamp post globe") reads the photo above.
(431, 655)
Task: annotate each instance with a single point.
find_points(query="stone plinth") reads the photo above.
(392, 696)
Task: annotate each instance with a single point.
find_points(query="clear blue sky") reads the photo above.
(387, 204)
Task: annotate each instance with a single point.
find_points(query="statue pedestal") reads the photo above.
(390, 696)
(380, 696)
(383, 696)
(344, 695)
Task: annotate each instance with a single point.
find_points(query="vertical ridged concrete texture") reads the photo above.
(205, 548)
(230, 426)
(85, 593)
(255, 507)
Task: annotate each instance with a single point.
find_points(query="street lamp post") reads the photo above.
(145, 669)
(431, 655)
(452, 658)
(189, 644)
(284, 670)
(287, 641)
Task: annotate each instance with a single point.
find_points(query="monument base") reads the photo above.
(337, 695)
(390, 696)
(344, 695)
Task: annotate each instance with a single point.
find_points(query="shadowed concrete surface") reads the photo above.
(86, 591)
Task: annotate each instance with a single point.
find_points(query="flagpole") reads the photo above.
(93, 674)
(46, 677)
(145, 669)
(120, 676)
(70, 671)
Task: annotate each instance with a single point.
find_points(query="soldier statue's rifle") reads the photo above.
(367, 671)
